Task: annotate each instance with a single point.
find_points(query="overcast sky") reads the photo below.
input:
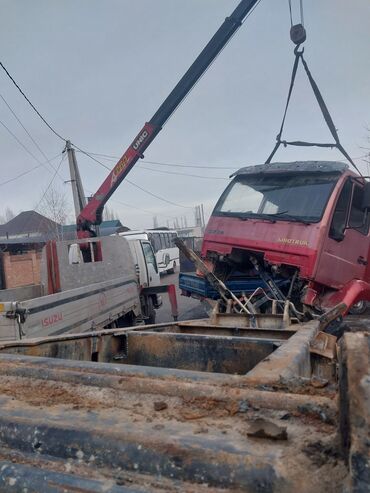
(97, 70)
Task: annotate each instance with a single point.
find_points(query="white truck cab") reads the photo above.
(145, 262)
(147, 273)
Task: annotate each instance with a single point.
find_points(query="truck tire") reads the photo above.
(128, 320)
(172, 270)
(150, 312)
(358, 308)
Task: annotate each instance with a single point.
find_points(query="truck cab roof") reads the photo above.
(294, 167)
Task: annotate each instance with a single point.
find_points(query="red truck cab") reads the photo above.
(310, 217)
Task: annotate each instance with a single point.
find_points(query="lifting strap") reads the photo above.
(324, 110)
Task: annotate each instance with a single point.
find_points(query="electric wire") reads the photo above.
(157, 196)
(29, 102)
(43, 195)
(151, 213)
(233, 168)
(50, 183)
(41, 163)
(110, 157)
(166, 172)
(27, 171)
(25, 129)
(87, 154)
(20, 142)
(138, 186)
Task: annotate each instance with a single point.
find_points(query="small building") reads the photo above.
(21, 242)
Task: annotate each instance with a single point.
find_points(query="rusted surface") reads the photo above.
(262, 333)
(197, 352)
(171, 429)
(290, 361)
(195, 437)
(324, 345)
(354, 390)
(54, 379)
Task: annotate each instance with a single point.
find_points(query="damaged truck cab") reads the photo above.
(306, 221)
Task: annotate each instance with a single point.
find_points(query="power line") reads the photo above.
(182, 174)
(51, 181)
(20, 142)
(27, 150)
(157, 197)
(151, 213)
(29, 102)
(26, 172)
(177, 165)
(138, 186)
(25, 129)
(190, 165)
(45, 192)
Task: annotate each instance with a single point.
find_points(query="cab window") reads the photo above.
(149, 255)
(357, 217)
(339, 220)
(348, 213)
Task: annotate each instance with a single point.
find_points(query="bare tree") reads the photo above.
(7, 216)
(54, 205)
(109, 214)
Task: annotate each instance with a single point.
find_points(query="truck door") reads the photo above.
(345, 253)
(153, 278)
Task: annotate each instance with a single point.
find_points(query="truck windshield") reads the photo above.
(300, 197)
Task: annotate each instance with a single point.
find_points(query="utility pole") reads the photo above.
(79, 198)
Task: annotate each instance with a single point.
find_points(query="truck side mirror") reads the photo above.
(366, 197)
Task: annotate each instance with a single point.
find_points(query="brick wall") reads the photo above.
(21, 270)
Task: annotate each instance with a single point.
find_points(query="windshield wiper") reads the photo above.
(293, 218)
(244, 216)
(283, 214)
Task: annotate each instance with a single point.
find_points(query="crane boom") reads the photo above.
(92, 212)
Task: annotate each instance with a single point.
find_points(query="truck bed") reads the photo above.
(73, 310)
(142, 416)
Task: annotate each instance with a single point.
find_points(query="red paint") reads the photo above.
(91, 214)
(52, 319)
(331, 267)
(171, 290)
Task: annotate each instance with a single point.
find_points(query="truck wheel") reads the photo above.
(150, 312)
(172, 270)
(358, 308)
(128, 320)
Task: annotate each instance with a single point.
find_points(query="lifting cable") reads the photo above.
(298, 36)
